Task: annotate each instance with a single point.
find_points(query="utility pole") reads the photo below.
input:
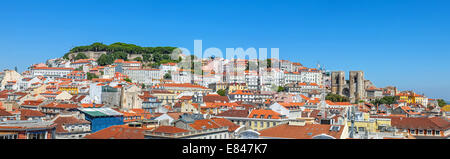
(352, 120)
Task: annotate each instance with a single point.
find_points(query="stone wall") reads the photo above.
(89, 54)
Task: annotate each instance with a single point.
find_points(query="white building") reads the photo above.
(145, 76)
(124, 65)
(311, 76)
(181, 76)
(109, 71)
(83, 62)
(168, 67)
(95, 93)
(290, 110)
(26, 83)
(51, 72)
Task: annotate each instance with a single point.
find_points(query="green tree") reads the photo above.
(120, 55)
(104, 60)
(79, 68)
(336, 98)
(156, 57)
(128, 80)
(269, 63)
(221, 92)
(98, 47)
(281, 89)
(167, 76)
(385, 100)
(143, 86)
(91, 76)
(80, 56)
(441, 102)
(138, 59)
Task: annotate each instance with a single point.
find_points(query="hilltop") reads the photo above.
(106, 54)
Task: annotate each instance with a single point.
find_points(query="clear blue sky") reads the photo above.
(405, 43)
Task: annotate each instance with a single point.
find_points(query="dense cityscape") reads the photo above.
(124, 91)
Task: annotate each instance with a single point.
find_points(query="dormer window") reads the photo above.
(255, 116)
(262, 116)
(269, 117)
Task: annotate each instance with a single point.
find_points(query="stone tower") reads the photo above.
(338, 82)
(356, 86)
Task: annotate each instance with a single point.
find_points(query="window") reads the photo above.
(429, 132)
(412, 131)
(361, 129)
(420, 131)
(36, 136)
(437, 132)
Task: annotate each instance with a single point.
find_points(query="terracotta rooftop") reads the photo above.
(215, 98)
(119, 132)
(265, 114)
(234, 113)
(169, 129)
(300, 132)
(60, 121)
(26, 113)
(5, 113)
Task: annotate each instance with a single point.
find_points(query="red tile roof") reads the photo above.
(266, 113)
(288, 105)
(32, 102)
(5, 113)
(175, 115)
(26, 113)
(60, 105)
(300, 132)
(214, 98)
(204, 124)
(60, 121)
(420, 123)
(225, 122)
(242, 92)
(169, 129)
(119, 132)
(92, 105)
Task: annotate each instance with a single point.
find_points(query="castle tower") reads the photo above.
(337, 82)
(356, 86)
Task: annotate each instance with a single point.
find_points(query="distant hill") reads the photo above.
(106, 54)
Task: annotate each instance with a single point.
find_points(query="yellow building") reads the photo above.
(363, 122)
(237, 86)
(221, 86)
(404, 97)
(257, 120)
(446, 108)
(412, 98)
(69, 89)
(164, 96)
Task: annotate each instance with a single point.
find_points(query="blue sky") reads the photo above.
(396, 42)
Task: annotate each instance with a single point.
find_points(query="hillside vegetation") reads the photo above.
(154, 56)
